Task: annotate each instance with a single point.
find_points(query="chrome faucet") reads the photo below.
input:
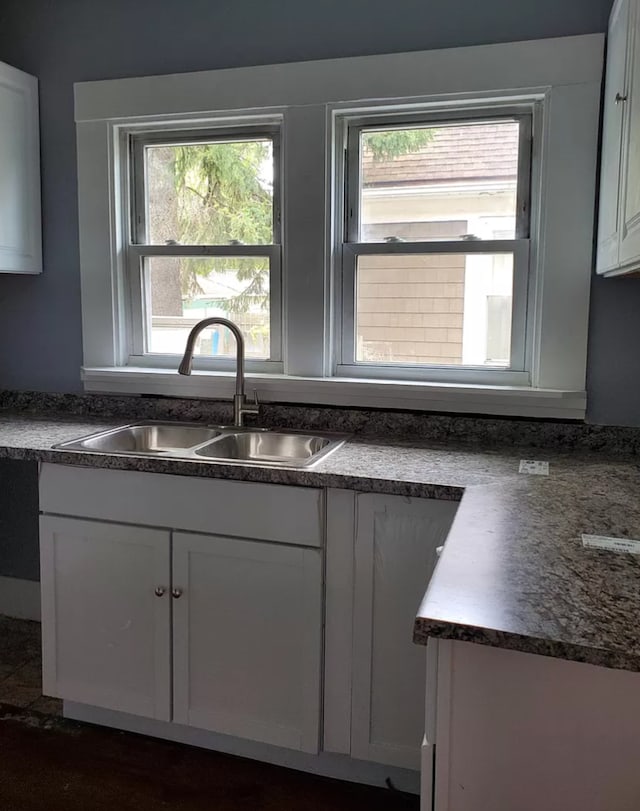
(240, 404)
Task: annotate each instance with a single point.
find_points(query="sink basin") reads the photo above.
(152, 438)
(202, 443)
(270, 447)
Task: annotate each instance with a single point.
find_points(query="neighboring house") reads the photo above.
(440, 309)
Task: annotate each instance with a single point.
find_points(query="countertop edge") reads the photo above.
(432, 629)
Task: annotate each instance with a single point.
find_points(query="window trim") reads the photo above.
(564, 72)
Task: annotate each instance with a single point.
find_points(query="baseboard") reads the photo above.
(20, 598)
(340, 767)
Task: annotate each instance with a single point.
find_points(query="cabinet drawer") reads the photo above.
(270, 512)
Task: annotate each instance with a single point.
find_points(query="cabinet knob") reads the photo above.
(176, 593)
(620, 98)
(160, 591)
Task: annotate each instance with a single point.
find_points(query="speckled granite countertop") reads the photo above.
(513, 572)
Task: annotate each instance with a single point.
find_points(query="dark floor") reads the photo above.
(20, 667)
(49, 764)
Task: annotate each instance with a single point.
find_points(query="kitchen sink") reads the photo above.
(257, 446)
(267, 447)
(152, 438)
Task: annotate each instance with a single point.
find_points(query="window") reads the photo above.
(397, 231)
(436, 226)
(204, 240)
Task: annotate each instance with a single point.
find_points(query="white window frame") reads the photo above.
(134, 142)
(347, 129)
(563, 75)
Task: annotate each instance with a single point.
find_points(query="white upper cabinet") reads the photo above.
(619, 218)
(615, 90)
(20, 218)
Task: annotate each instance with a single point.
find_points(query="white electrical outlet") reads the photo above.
(534, 468)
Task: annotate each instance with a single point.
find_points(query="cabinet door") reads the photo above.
(247, 629)
(610, 178)
(395, 554)
(105, 631)
(630, 224)
(20, 226)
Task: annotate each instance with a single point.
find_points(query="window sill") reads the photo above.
(509, 401)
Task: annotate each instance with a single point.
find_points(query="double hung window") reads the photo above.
(205, 241)
(402, 230)
(435, 254)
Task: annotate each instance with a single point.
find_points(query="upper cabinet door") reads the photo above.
(614, 106)
(630, 212)
(20, 218)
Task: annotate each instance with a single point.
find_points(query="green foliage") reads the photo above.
(389, 144)
(223, 199)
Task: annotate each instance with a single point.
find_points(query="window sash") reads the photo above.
(139, 319)
(517, 371)
(223, 134)
(138, 249)
(522, 114)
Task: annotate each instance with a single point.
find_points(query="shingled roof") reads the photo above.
(456, 153)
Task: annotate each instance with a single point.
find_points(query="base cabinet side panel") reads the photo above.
(527, 732)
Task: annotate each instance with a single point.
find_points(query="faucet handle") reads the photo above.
(254, 408)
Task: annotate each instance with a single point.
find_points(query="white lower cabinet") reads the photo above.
(270, 614)
(218, 633)
(522, 732)
(106, 635)
(381, 551)
(247, 630)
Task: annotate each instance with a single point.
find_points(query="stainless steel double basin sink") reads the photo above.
(211, 443)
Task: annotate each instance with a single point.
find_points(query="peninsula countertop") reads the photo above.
(513, 573)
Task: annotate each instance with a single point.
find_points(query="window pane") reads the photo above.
(446, 181)
(180, 291)
(434, 309)
(210, 193)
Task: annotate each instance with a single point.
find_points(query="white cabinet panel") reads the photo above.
(395, 554)
(521, 732)
(615, 89)
(630, 236)
(106, 634)
(247, 630)
(269, 512)
(20, 221)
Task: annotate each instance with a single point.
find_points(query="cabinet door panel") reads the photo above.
(630, 236)
(608, 226)
(395, 553)
(106, 635)
(20, 227)
(247, 639)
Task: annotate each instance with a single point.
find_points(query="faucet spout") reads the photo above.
(241, 407)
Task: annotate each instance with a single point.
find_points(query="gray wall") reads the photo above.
(65, 41)
(19, 519)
